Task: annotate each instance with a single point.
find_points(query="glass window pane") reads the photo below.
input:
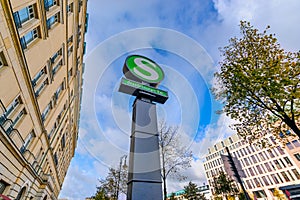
(24, 15)
(296, 173)
(296, 143)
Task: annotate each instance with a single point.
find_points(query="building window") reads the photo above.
(86, 22)
(19, 116)
(280, 150)
(271, 153)
(251, 172)
(41, 88)
(24, 15)
(277, 164)
(27, 141)
(56, 56)
(259, 169)
(262, 156)
(70, 8)
(46, 111)
(29, 37)
(286, 178)
(297, 155)
(17, 101)
(249, 184)
(282, 163)
(246, 161)
(265, 181)
(59, 89)
(77, 65)
(289, 173)
(21, 194)
(253, 159)
(70, 50)
(56, 68)
(69, 73)
(222, 144)
(296, 173)
(3, 61)
(38, 76)
(287, 160)
(55, 159)
(52, 130)
(63, 141)
(52, 20)
(289, 145)
(3, 185)
(296, 143)
(275, 178)
(49, 3)
(268, 167)
(70, 41)
(256, 182)
(80, 4)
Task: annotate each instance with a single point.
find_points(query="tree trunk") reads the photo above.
(165, 188)
(292, 125)
(164, 175)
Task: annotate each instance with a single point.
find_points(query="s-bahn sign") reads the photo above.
(142, 77)
(142, 69)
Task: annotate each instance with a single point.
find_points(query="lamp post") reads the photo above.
(119, 175)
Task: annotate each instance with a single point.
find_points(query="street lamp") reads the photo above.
(119, 175)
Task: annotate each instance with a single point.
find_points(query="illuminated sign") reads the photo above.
(138, 89)
(142, 69)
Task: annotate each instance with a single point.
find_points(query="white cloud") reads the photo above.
(78, 183)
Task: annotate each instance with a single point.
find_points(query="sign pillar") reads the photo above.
(144, 177)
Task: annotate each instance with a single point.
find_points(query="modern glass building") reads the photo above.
(267, 170)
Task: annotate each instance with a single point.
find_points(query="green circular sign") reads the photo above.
(143, 69)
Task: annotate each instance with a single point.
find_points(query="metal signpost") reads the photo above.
(142, 76)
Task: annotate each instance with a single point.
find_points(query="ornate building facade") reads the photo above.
(41, 66)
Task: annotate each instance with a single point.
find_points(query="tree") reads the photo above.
(174, 156)
(191, 192)
(172, 197)
(113, 184)
(278, 195)
(101, 194)
(223, 185)
(259, 85)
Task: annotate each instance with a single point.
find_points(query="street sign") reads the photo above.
(142, 69)
(138, 89)
(142, 77)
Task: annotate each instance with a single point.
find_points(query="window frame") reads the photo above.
(41, 88)
(48, 5)
(46, 111)
(3, 186)
(24, 15)
(38, 76)
(27, 141)
(29, 38)
(53, 20)
(297, 156)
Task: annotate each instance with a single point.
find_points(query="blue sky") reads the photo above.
(183, 37)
